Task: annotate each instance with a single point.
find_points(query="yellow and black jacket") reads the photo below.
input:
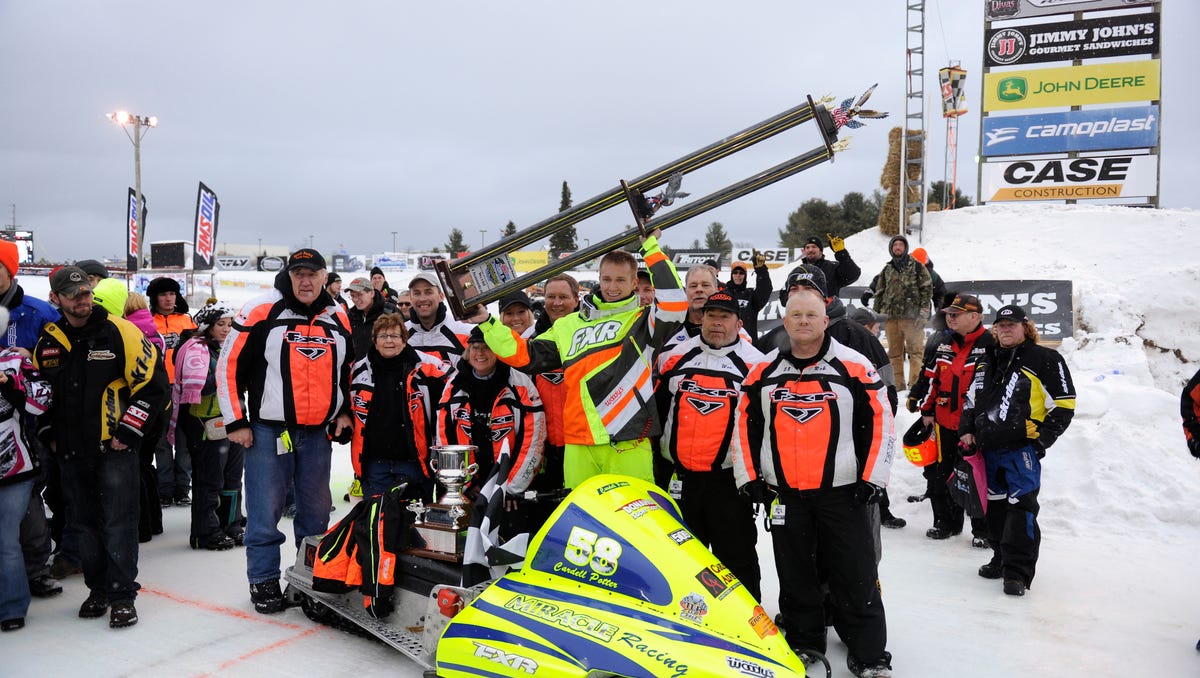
(106, 381)
(1024, 396)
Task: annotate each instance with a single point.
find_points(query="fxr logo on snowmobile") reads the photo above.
(512, 661)
(594, 334)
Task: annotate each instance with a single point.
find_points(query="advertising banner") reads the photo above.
(390, 262)
(526, 261)
(343, 263)
(1112, 176)
(1048, 303)
(1095, 129)
(131, 229)
(208, 210)
(777, 257)
(687, 258)
(996, 10)
(1067, 40)
(1072, 85)
(234, 263)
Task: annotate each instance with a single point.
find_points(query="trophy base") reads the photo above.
(442, 543)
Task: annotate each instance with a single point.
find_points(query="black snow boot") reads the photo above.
(123, 614)
(267, 597)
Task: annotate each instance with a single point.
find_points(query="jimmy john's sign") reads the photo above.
(1067, 40)
(1113, 176)
(1072, 85)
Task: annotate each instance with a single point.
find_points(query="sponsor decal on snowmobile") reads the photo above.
(749, 668)
(762, 624)
(610, 487)
(693, 608)
(640, 507)
(635, 642)
(681, 536)
(512, 661)
(565, 617)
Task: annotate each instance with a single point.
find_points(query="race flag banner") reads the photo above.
(1110, 176)
(1072, 85)
(953, 80)
(208, 210)
(131, 229)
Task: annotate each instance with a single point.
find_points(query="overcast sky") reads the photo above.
(347, 121)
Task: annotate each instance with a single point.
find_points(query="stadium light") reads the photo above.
(140, 124)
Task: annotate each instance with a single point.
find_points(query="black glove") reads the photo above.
(758, 492)
(966, 450)
(866, 298)
(911, 404)
(867, 493)
(342, 438)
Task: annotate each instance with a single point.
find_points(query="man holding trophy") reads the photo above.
(606, 350)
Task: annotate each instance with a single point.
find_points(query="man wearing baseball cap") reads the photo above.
(283, 379)
(701, 378)
(1017, 407)
(431, 328)
(104, 401)
(750, 302)
(949, 374)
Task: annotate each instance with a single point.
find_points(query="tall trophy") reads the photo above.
(443, 527)
(487, 274)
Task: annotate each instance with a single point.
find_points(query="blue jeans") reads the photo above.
(102, 493)
(267, 475)
(381, 475)
(14, 585)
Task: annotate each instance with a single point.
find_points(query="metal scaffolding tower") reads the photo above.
(914, 116)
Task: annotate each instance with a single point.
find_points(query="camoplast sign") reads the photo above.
(1019, 9)
(776, 256)
(1095, 129)
(1112, 176)
(1067, 40)
(1072, 85)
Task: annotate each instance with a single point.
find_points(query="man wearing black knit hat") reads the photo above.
(838, 273)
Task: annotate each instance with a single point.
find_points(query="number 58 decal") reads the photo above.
(585, 547)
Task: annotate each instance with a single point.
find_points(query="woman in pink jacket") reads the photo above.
(217, 464)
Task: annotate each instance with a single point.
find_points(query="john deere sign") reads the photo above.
(1072, 86)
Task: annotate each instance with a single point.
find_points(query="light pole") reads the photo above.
(482, 237)
(140, 124)
(393, 241)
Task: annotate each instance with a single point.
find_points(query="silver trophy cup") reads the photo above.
(449, 464)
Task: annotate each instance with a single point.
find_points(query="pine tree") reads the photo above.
(510, 229)
(819, 219)
(455, 245)
(716, 238)
(939, 192)
(563, 240)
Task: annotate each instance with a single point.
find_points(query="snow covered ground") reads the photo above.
(1116, 590)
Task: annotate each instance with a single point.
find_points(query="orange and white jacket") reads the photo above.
(817, 423)
(703, 384)
(516, 418)
(292, 361)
